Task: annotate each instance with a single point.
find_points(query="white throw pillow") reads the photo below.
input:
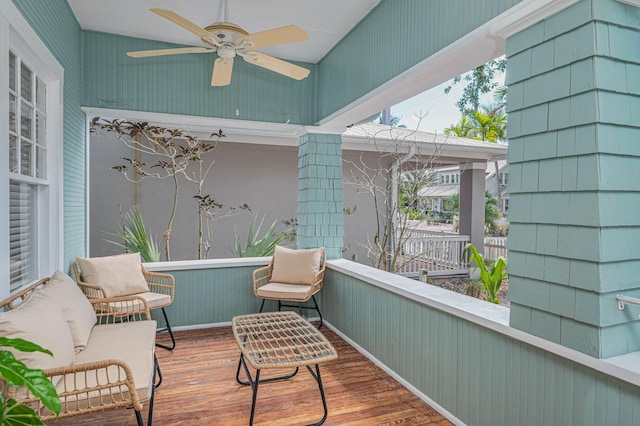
(119, 275)
(40, 321)
(295, 266)
(77, 309)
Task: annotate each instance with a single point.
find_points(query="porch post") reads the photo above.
(472, 187)
(320, 220)
(574, 156)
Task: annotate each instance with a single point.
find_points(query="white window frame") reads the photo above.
(16, 34)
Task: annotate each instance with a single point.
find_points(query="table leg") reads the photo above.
(318, 379)
(253, 398)
(255, 382)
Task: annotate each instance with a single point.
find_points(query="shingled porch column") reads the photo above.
(320, 220)
(574, 180)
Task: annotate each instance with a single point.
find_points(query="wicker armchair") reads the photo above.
(293, 276)
(160, 295)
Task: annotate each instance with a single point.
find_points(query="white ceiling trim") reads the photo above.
(635, 3)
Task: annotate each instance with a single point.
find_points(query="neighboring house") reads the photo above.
(435, 198)
(498, 187)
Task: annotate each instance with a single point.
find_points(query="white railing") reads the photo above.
(435, 255)
(431, 232)
(495, 247)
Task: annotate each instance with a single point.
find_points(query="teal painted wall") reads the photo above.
(482, 377)
(395, 36)
(180, 84)
(320, 216)
(58, 28)
(574, 180)
(209, 296)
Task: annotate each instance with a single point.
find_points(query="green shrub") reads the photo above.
(135, 238)
(491, 275)
(256, 246)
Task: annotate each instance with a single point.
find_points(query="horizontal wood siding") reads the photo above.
(395, 36)
(58, 28)
(479, 375)
(209, 296)
(180, 84)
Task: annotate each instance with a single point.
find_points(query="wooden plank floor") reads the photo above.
(199, 388)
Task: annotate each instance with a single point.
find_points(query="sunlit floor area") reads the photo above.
(199, 388)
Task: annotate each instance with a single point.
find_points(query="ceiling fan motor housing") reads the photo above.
(226, 31)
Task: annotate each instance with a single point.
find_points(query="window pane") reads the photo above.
(41, 98)
(22, 233)
(13, 154)
(26, 83)
(40, 129)
(26, 121)
(12, 71)
(41, 159)
(12, 114)
(25, 158)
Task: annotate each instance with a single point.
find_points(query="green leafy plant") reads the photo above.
(491, 276)
(17, 374)
(257, 246)
(135, 238)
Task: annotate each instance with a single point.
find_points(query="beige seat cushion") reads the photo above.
(154, 301)
(77, 309)
(119, 275)
(131, 342)
(40, 321)
(295, 266)
(281, 291)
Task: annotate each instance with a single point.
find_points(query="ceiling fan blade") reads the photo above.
(222, 69)
(276, 65)
(282, 35)
(186, 24)
(162, 52)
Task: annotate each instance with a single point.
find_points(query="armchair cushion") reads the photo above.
(119, 275)
(42, 322)
(285, 291)
(77, 309)
(296, 266)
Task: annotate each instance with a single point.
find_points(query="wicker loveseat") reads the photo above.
(103, 359)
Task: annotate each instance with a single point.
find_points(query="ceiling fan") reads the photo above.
(230, 40)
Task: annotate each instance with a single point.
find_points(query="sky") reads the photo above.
(440, 108)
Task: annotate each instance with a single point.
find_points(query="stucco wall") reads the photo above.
(264, 177)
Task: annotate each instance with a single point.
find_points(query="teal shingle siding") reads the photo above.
(574, 162)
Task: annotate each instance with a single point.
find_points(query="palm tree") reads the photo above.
(490, 125)
(463, 129)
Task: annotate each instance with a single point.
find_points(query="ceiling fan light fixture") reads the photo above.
(226, 51)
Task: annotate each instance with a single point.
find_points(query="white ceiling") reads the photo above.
(325, 21)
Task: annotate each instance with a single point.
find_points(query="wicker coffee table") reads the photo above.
(280, 340)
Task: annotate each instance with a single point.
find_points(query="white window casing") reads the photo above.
(37, 190)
